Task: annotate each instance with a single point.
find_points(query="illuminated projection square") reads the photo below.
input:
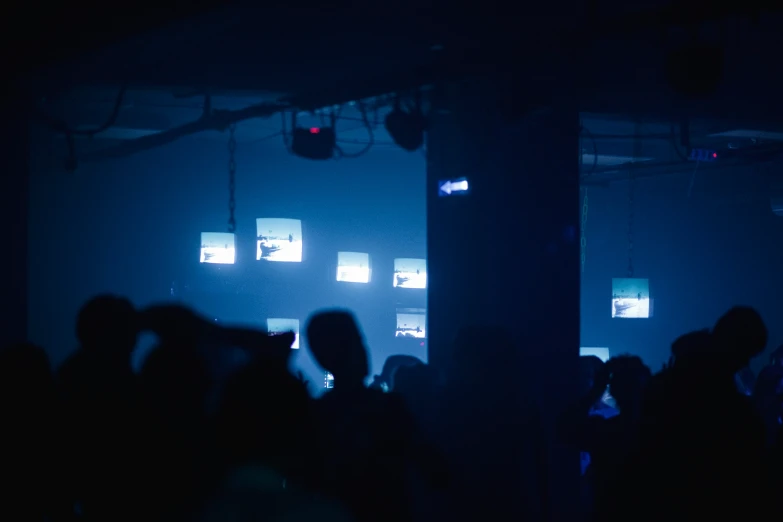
(410, 273)
(630, 298)
(353, 267)
(280, 326)
(218, 248)
(411, 322)
(601, 353)
(279, 239)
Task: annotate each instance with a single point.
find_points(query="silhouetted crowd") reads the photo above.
(188, 438)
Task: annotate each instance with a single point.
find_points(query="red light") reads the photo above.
(714, 154)
(314, 130)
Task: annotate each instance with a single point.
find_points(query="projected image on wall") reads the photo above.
(280, 326)
(630, 298)
(410, 273)
(411, 322)
(279, 239)
(218, 248)
(601, 353)
(353, 267)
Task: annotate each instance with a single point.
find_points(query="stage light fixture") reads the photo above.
(406, 127)
(315, 143)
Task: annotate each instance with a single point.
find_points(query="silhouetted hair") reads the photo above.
(590, 364)
(414, 378)
(107, 320)
(394, 363)
(631, 364)
(629, 377)
(332, 335)
(692, 344)
(741, 331)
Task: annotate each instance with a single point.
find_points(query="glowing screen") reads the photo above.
(218, 248)
(631, 298)
(601, 353)
(279, 239)
(281, 326)
(353, 267)
(410, 273)
(411, 322)
(328, 380)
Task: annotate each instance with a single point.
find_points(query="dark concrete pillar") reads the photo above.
(507, 255)
(13, 216)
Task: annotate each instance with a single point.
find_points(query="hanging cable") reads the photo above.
(370, 134)
(637, 153)
(683, 137)
(693, 179)
(284, 132)
(583, 238)
(232, 170)
(71, 162)
(584, 130)
(631, 202)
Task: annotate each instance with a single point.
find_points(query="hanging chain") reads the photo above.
(583, 239)
(631, 191)
(232, 171)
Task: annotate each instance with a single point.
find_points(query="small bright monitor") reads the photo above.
(279, 239)
(276, 326)
(353, 267)
(410, 273)
(328, 380)
(631, 298)
(411, 323)
(601, 353)
(218, 248)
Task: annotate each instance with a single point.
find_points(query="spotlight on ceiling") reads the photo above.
(406, 127)
(315, 143)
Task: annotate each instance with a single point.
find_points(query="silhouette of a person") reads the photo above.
(370, 443)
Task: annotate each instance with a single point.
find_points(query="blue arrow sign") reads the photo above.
(453, 187)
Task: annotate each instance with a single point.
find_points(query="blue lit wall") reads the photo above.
(702, 254)
(133, 226)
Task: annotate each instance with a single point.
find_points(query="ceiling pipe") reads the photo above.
(218, 120)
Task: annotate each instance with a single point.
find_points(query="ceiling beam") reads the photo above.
(218, 120)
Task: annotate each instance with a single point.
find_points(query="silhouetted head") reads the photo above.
(589, 366)
(337, 344)
(692, 346)
(415, 380)
(739, 336)
(108, 323)
(394, 363)
(627, 380)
